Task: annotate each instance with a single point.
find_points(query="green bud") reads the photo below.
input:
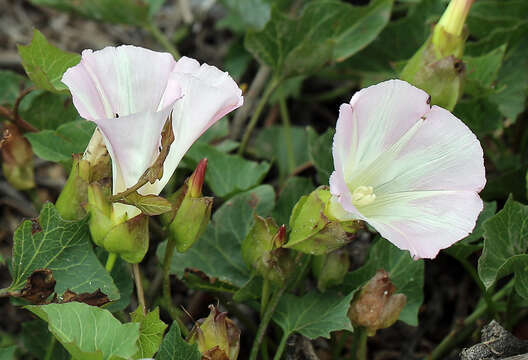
(313, 230)
(449, 36)
(262, 250)
(17, 158)
(74, 196)
(94, 165)
(330, 269)
(192, 211)
(436, 67)
(217, 336)
(125, 237)
(376, 306)
(442, 78)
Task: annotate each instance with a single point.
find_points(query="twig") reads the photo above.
(458, 335)
(139, 288)
(254, 119)
(249, 101)
(153, 29)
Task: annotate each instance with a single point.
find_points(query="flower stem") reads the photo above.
(457, 335)
(153, 29)
(288, 134)
(281, 347)
(110, 261)
(360, 350)
(256, 114)
(265, 296)
(264, 321)
(139, 288)
(167, 293)
(49, 350)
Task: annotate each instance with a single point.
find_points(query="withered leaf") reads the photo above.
(39, 286)
(97, 298)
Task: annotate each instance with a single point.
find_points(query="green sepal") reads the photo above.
(442, 78)
(190, 221)
(330, 269)
(73, 198)
(312, 230)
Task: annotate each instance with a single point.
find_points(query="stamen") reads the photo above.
(363, 195)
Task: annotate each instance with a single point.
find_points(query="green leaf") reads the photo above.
(406, 274)
(482, 71)
(48, 110)
(174, 347)
(505, 245)
(61, 144)
(320, 151)
(62, 246)
(8, 353)
(227, 174)
(36, 338)
(292, 191)
(314, 314)
(479, 114)
(88, 332)
(151, 330)
(325, 31)
(45, 64)
(133, 12)
(252, 13)
(271, 143)
(218, 253)
(11, 84)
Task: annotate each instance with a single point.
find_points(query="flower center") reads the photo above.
(363, 195)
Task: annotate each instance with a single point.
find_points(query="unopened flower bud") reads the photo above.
(217, 336)
(262, 250)
(74, 196)
(93, 165)
(376, 306)
(330, 269)
(192, 211)
(448, 34)
(436, 67)
(119, 235)
(314, 230)
(17, 158)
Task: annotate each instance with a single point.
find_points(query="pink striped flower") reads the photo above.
(410, 170)
(129, 92)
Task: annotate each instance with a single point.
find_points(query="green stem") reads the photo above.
(49, 350)
(458, 335)
(281, 347)
(139, 288)
(153, 29)
(264, 321)
(473, 273)
(360, 351)
(110, 261)
(167, 295)
(265, 296)
(288, 134)
(254, 118)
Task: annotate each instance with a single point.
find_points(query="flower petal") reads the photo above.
(424, 222)
(376, 118)
(121, 80)
(208, 95)
(132, 142)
